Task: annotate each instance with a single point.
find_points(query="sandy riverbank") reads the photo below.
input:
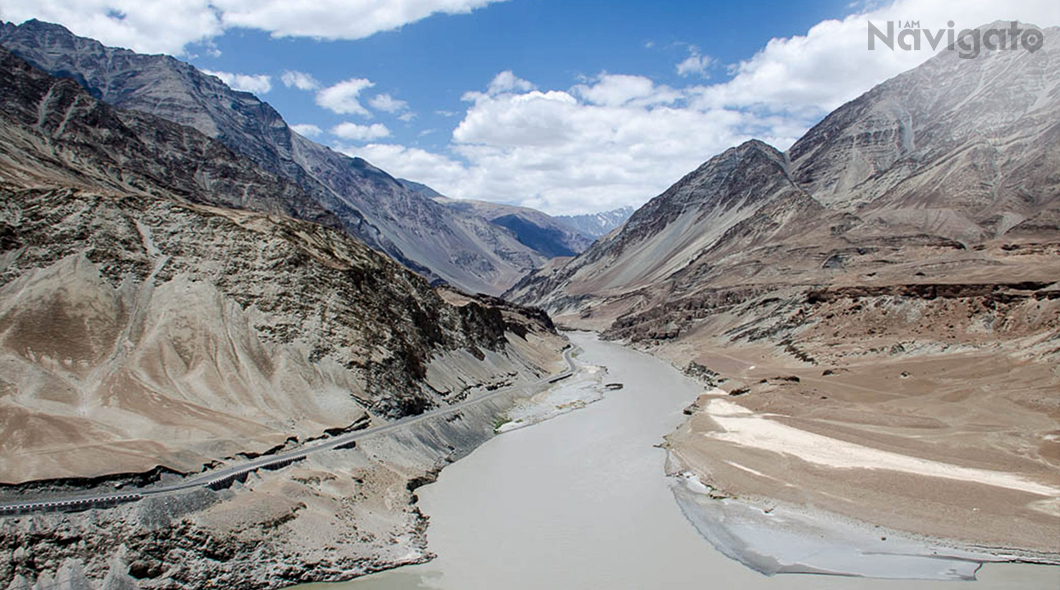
(923, 466)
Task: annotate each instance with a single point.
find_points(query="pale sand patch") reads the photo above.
(744, 428)
(583, 388)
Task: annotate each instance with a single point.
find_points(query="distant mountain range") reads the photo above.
(596, 225)
(538, 231)
(437, 241)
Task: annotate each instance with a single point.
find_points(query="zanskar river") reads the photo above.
(582, 502)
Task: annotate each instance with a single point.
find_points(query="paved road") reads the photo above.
(222, 476)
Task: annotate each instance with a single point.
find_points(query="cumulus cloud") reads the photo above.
(355, 132)
(307, 129)
(619, 89)
(619, 139)
(831, 63)
(506, 81)
(438, 171)
(387, 103)
(256, 83)
(169, 25)
(695, 64)
(611, 141)
(299, 80)
(342, 97)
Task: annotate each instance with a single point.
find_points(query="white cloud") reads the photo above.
(355, 132)
(508, 82)
(695, 64)
(621, 139)
(387, 103)
(611, 141)
(620, 89)
(307, 129)
(256, 83)
(342, 97)
(299, 80)
(831, 63)
(169, 25)
(437, 171)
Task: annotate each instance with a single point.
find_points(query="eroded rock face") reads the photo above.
(132, 309)
(55, 133)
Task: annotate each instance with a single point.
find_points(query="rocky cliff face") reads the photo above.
(210, 332)
(54, 133)
(368, 203)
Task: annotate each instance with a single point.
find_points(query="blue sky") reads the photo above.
(554, 43)
(567, 106)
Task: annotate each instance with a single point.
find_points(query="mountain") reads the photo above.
(534, 229)
(540, 232)
(421, 188)
(154, 288)
(596, 225)
(870, 312)
(368, 203)
(913, 168)
(162, 314)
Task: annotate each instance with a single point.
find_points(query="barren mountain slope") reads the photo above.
(536, 230)
(371, 205)
(141, 326)
(141, 332)
(55, 134)
(935, 162)
(663, 235)
(890, 287)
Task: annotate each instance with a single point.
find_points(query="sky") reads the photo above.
(568, 106)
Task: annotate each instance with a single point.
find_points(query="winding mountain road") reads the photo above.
(217, 478)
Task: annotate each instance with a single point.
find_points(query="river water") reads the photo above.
(581, 502)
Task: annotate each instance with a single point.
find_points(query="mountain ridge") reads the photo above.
(905, 158)
(134, 232)
(371, 205)
(597, 225)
